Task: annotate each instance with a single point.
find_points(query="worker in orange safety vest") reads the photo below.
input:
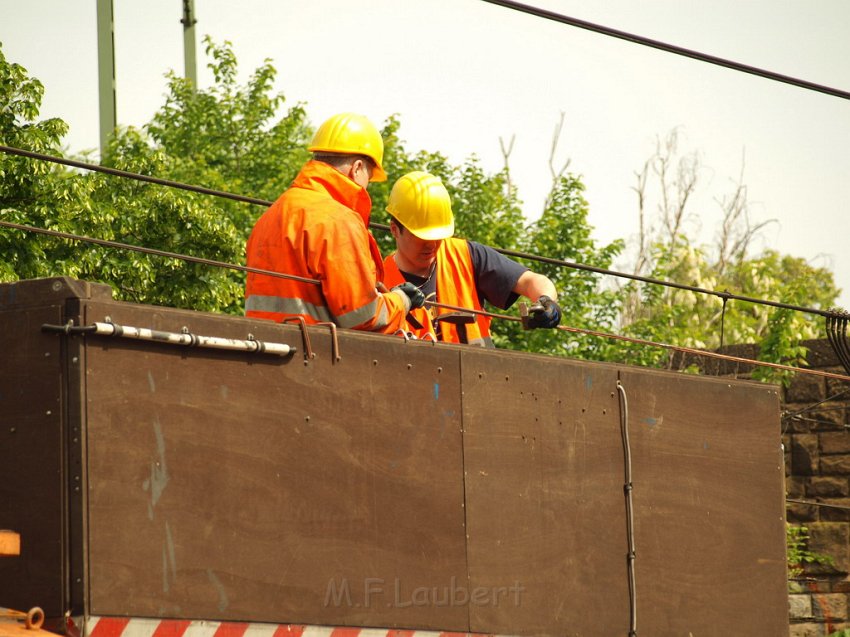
(318, 229)
(455, 271)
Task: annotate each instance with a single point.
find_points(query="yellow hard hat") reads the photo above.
(421, 203)
(351, 134)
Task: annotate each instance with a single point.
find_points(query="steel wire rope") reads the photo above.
(670, 48)
(817, 421)
(725, 295)
(820, 402)
(20, 152)
(242, 268)
(159, 253)
(641, 341)
(818, 504)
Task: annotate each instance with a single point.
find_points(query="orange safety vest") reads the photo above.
(318, 229)
(455, 286)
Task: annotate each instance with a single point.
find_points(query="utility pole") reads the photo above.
(189, 21)
(106, 72)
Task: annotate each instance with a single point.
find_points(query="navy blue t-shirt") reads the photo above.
(495, 276)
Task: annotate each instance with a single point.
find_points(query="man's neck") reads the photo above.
(406, 266)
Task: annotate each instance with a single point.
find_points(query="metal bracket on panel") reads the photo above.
(308, 349)
(334, 340)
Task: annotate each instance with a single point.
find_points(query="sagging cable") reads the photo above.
(630, 516)
(184, 339)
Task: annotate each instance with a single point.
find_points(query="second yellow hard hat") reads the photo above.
(421, 203)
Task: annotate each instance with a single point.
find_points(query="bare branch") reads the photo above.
(506, 154)
(556, 174)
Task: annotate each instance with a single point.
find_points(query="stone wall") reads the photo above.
(816, 437)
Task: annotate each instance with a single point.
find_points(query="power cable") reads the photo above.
(820, 402)
(669, 48)
(641, 341)
(725, 295)
(818, 504)
(242, 268)
(159, 253)
(11, 150)
(174, 255)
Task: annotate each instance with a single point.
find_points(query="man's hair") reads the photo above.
(338, 160)
(400, 225)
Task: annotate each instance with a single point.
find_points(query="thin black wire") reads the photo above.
(725, 295)
(820, 402)
(670, 48)
(681, 286)
(138, 177)
(159, 253)
(818, 504)
(817, 421)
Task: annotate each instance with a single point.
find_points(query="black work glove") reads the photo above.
(546, 313)
(412, 293)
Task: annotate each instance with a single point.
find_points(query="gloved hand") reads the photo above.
(411, 294)
(546, 313)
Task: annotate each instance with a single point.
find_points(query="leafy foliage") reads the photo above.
(798, 554)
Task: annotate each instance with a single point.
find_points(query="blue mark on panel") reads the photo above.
(705, 445)
(588, 383)
(436, 391)
(650, 421)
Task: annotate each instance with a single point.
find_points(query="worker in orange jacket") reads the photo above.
(455, 271)
(318, 229)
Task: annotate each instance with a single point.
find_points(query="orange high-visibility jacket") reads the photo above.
(318, 228)
(455, 286)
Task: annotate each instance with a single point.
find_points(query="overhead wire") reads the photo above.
(162, 253)
(152, 251)
(725, 295)
(670, 48)
(542, 13)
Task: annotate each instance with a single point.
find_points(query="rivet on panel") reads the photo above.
(375, 362)
(409, 366)
(439, 370)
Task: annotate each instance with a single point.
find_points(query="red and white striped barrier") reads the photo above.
(142, 627)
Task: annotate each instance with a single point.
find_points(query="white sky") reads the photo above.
(463, 73)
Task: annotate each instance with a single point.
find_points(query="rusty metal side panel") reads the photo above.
(544, 485)
(32, 480)
(237, 487)
(709, 505)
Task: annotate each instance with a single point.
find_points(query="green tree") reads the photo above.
(562, 232)
(229, 136)
(689, 319)
(32, 192)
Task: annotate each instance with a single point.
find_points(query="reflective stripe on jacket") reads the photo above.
(318, 229)
(455, 286)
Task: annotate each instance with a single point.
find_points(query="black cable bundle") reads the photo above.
(836, 332)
